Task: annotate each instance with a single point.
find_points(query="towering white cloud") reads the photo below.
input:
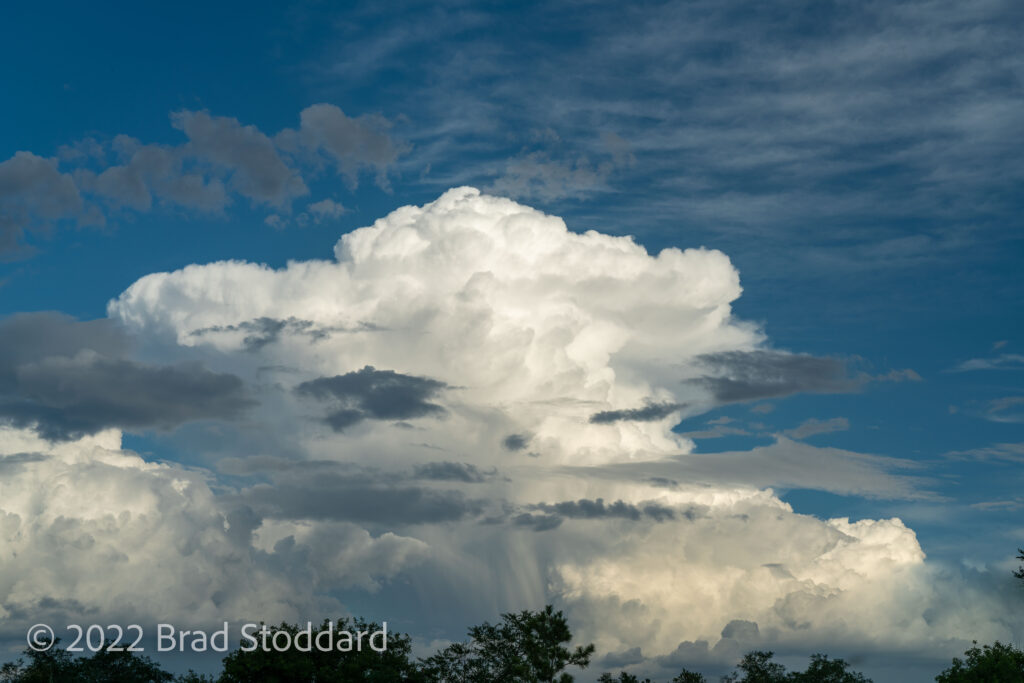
(538, 326)
(474, 397)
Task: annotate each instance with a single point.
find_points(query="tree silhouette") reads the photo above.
(624, 677)
(528, 647)
(758, 667)
(193, 677)
(53, 664)
(825, 670)
(122, 666)
(292, 665)
(997, 663)
(1020, 572)
(57, 664)
(684, 676)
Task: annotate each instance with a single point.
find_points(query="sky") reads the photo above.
(701, 321)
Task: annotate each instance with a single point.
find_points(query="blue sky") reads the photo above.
(858, 164)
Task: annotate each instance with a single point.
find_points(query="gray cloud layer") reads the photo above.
(256, 169)
(327, 496)
(262, 331)
(68, 378)
(221, 159)
(790, 465)
(546, 516)
(752, 375)
(649, 413)
(33, 193)
(813, 427)
(326, 134)
(371, 394)
(451, 471)
(516, 442)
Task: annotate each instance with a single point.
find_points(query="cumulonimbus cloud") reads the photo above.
(516, 331)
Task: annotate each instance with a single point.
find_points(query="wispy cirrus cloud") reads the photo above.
(1005, 361)
(813, 427)
(1008, 452)
(1008, 409)
(740, 376)
(790, 464)
(837, 139)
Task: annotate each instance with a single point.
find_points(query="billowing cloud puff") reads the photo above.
(222, 159)
(258, 172)
(32, 190)
(89, 528)
(805, 582)
(539, 327)
(477, 399)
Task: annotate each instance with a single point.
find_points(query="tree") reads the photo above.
(528, 647)
(758, 667)
(43, 666)
(995, 663)
(825, 670)
(1020, 572)
(686, 676)
(624, 677)
(121, 666)
(335, 665)
(57, 664)
(193, 677)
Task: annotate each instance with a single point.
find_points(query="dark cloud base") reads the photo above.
(67, 378)
(371, 394)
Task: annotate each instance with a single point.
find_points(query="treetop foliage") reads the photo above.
(997, 663)
(524, 647)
